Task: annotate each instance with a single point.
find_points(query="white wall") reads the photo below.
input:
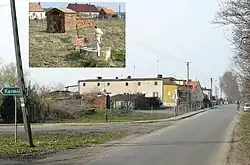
(72, 88)
(38, 15)
(147, 87)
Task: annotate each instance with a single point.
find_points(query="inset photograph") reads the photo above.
(77, 35)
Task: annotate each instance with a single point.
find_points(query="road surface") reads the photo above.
(203, 139)
(199, 140)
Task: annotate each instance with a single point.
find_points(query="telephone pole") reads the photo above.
(20, 74)
(189, 93)
(211, 83)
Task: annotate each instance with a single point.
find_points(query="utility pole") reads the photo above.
(189, 93)
(20, 74)
(211, 83)
(220, 90)
(157, 69)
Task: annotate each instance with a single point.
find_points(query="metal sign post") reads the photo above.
(12, 91)
(15, 121)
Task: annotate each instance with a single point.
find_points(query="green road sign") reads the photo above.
(10, 91)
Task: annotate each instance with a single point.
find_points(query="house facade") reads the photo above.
(36, 11)
(107, 13)
(84, 10)
(151, 87)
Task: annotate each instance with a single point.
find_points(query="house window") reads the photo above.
(98, 84)
(126, 84)
(139, 83)
(84, 84)
(169, 95)
(156, 83)
(155, 94)
(108, 84)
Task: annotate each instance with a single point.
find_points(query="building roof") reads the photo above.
(108, 11)
(125, 79)
(35, 7)
(193, 84)
(82, 7)
(64, 10)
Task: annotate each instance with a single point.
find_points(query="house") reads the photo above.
(174, 92)
(36, 11)
(84, 10)
(72, 88)
(197, 94)
(59, 20)
(151, 87)
(107, 13)
(207, 92)
(133, 102)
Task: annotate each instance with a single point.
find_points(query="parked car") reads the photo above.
(246, 107)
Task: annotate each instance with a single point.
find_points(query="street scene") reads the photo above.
(183, 98)
(76, 35)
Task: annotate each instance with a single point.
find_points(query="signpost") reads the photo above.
(12, 91)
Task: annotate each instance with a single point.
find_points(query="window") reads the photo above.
(98, 84)
(139, 83)
(156, 83)
(108, 84)
(126, 84)
(155, 94)
(84, 84)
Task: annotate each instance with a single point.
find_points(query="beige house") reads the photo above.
(151, 87)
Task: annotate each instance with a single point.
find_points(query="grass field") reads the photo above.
(244, 134)
(50, 143)
(58, 50)
(100, 117)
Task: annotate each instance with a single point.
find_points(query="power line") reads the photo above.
(146, 44)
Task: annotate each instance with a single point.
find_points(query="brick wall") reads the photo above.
(82, 22)
(97, 102)
(70, 21)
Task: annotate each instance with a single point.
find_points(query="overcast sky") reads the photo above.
(172, 32)
(112, 5)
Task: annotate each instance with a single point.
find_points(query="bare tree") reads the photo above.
(236, 13)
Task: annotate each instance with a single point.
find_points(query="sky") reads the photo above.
(160, 38)
(112, 5)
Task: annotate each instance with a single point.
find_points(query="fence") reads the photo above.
(168, 112)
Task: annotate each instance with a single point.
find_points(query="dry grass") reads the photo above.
(58, 50)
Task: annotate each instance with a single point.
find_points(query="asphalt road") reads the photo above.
(200, 140)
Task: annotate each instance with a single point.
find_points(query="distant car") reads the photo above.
(246, 107)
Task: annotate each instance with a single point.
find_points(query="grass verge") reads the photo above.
(99, 116)
(244, 134)
(58, 49)
(50, 143)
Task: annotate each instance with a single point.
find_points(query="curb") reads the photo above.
(171, 119)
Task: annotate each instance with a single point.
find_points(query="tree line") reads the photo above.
(37, 96)
(235, 14)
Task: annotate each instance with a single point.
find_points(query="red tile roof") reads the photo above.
(35, 7)
(108, 11)
(82, 7)
(194, 85)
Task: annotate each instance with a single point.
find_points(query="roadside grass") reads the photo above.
(58, 49)
(99, 116)
(50, 143)
(244, 133)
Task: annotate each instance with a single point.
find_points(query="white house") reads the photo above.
(36, 11)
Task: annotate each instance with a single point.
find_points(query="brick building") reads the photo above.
(60, 20)
(84, 10)
(36, 11)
